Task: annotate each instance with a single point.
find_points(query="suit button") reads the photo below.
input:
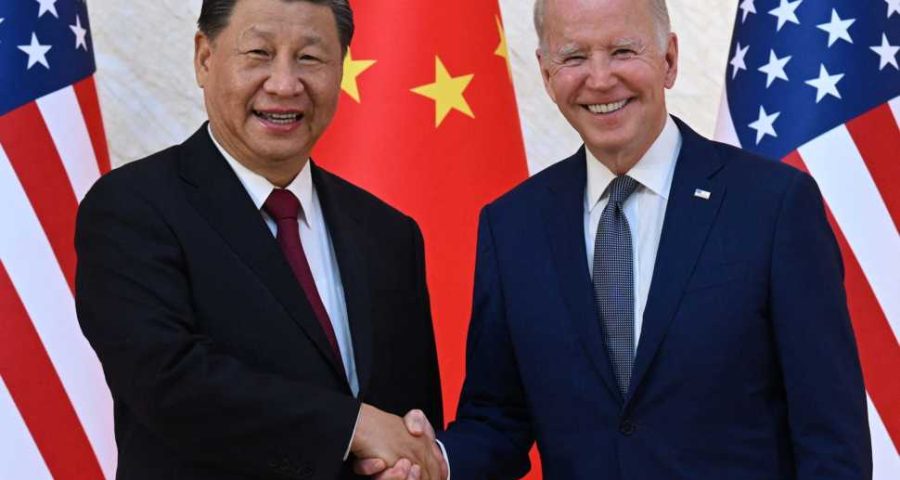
(627, 428)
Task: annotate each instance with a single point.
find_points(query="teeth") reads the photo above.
(281, 118)
(607, 107)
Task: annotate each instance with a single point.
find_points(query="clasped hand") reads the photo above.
(394, 448)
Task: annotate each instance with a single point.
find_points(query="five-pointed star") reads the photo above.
(786, 12)
(447, 92)
(826, 84)
(37, 53)
(837, 28)
(887, 53)
(747, 7)
(775, 68)
(80, 34)
(765, 125)
(502, 49)
(893, 7)
(47, 6)
(352, 70)
(738, 61)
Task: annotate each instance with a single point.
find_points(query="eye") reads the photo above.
(624, 52)
(574, 58)
(307, 58)
(258, 53)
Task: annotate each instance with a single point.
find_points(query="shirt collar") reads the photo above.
(259, 188)
(653, 171)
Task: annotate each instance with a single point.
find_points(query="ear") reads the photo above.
(671, 60)
(202, 52)
(545, 72)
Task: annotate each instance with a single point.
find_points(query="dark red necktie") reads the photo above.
(284, 208)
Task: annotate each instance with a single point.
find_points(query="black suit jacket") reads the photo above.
(216, 363)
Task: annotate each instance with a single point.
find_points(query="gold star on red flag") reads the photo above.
(447, 92)
(352, 70)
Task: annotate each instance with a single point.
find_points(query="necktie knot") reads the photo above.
(621, 188)
(282, 205)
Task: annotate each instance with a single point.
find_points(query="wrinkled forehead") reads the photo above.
(606, 23)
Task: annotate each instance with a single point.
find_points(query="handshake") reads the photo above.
(394, 448)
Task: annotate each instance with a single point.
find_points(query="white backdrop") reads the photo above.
(149, 98)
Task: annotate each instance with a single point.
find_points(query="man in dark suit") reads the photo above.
(657, 306)
(255, 315)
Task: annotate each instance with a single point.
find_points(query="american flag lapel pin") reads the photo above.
(702, 194)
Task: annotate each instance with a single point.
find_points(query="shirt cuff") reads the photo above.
(350, 443)
(446, 458)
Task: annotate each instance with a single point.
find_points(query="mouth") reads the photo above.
(607, 108)
(280, 118)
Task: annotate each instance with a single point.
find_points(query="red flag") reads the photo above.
(428, 123)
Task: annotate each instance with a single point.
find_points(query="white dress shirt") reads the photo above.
(316, 245)
(645, 209)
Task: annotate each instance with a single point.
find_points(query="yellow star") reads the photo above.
(352, 70)
(447, 92)
(502, 49)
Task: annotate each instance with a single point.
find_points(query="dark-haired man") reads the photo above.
(257, 316)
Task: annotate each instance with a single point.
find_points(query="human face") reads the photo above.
(604, 65)
(271, 81)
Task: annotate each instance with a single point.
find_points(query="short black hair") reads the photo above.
(214, 16)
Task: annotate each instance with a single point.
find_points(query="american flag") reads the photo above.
(55, 409)
(816, 84)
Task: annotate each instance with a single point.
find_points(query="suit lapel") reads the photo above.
(218, 196)
(685, 228)
(347, 230)
(563, 215)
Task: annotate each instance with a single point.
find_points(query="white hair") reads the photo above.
(660, 12)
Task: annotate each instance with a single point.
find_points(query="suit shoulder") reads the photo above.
(367, 203)
(755, 168)
(137, 177)
(567, 173)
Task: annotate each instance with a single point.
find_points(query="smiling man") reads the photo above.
(257, 316)
(657, 306)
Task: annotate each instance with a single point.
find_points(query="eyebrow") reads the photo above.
(256, 31)
(568, 49)
(632, 43)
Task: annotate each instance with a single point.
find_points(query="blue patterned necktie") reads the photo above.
(613, 279)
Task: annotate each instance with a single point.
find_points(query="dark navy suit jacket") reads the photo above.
(746, 367)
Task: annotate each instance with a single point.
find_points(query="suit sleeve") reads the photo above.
(820, 366)
(134, 306)
(492, 434)
(433, 405)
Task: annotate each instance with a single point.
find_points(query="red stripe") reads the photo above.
(39, 394)
(879, 352)
(86, 92)
(878, 139)
(31, 152)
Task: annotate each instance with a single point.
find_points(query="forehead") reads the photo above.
(271, 17)
(596, 20)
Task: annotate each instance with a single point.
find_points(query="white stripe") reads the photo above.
(39, 281)
(725, 131)
(850, 191)
(64, 119)
(19, 455)
(895, 107)
(885, 461)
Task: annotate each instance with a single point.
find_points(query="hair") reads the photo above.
(215, 14)
(660, 12)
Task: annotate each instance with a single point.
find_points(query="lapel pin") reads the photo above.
(702, 194)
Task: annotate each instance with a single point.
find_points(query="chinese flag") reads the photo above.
(427, 122)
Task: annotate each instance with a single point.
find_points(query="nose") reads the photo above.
(284, 79)
(600, 75)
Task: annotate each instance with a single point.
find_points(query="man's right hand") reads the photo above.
(380, 435)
